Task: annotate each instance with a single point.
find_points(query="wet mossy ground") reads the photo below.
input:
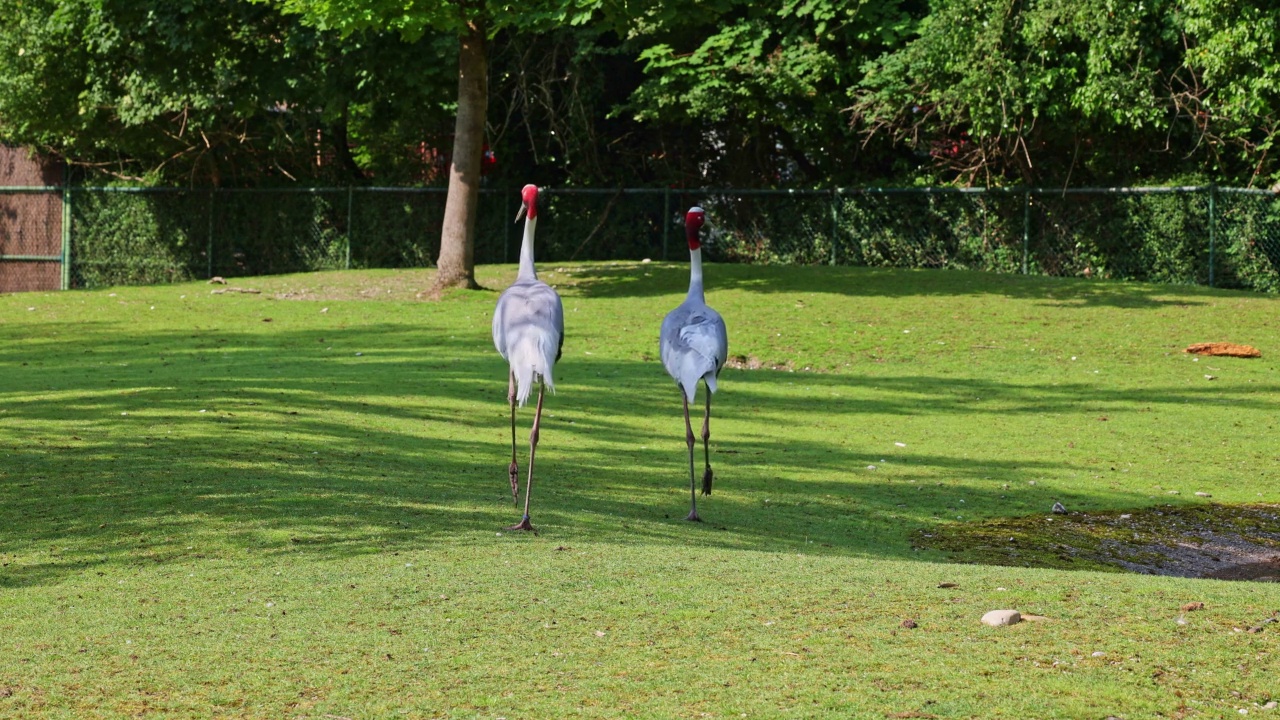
(1189, 541)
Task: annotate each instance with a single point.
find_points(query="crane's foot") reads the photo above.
(524, 525)
(693, 516)
(706, 481)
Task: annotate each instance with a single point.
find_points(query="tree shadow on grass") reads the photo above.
(145, 448)
(650, 279)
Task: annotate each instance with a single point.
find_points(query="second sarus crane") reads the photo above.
(694, 345)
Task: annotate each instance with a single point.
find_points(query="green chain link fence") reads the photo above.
(99, 236)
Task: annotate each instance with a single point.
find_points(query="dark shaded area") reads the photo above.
(1265, 571)
(651, 279)
(305, 446)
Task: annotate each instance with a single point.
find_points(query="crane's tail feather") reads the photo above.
(524, 381)
(530, 361)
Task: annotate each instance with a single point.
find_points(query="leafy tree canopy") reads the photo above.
(207, 91)
(1036, 90)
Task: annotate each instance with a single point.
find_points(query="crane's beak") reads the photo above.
(524, 208)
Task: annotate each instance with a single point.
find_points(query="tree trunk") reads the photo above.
(342, 145)
(456, 265)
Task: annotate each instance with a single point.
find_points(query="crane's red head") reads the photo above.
(693, 221)
(528, 203)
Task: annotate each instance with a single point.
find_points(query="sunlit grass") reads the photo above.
(245, 505)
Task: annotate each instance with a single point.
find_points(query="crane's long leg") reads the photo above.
(689, 440)
(524, 523)
(706, 449)
(513, 470)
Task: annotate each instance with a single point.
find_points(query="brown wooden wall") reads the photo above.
(30, 223)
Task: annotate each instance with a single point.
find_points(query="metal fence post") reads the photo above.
(66, 233)
(1026, 229)
(208, 255)
(350, 228)
(835, 223)
(1213, 221)
(666, 218)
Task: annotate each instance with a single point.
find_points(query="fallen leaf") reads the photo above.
(1224, 349)
(1192, 606)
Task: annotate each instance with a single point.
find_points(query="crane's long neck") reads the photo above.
(526, 251)
(695, 275)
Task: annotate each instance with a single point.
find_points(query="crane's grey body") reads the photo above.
(694, 344)
(528, 331)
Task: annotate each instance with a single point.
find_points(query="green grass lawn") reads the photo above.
(290, 504)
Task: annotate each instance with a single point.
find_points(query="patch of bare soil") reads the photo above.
(743, 362)
(403, 285)
(1224, 349)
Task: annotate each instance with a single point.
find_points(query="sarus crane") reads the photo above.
(694, 344)
(528, 330)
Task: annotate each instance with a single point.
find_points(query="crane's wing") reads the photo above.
(704, 332)
(694, 345)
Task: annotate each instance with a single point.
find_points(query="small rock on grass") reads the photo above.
(1271, 705)
(997, 618)
(1192, 606)
(1059, 509)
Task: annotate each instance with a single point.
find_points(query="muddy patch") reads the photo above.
(1265, 571)
(1229, 542)
(751, 362)
(745, 362)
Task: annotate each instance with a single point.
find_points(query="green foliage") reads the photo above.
(1250, 241)
(789, 93)
(762, 86)
(1046, 91)
(209, 92)
(137, 238)
(1234, 84)
(415, 18)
